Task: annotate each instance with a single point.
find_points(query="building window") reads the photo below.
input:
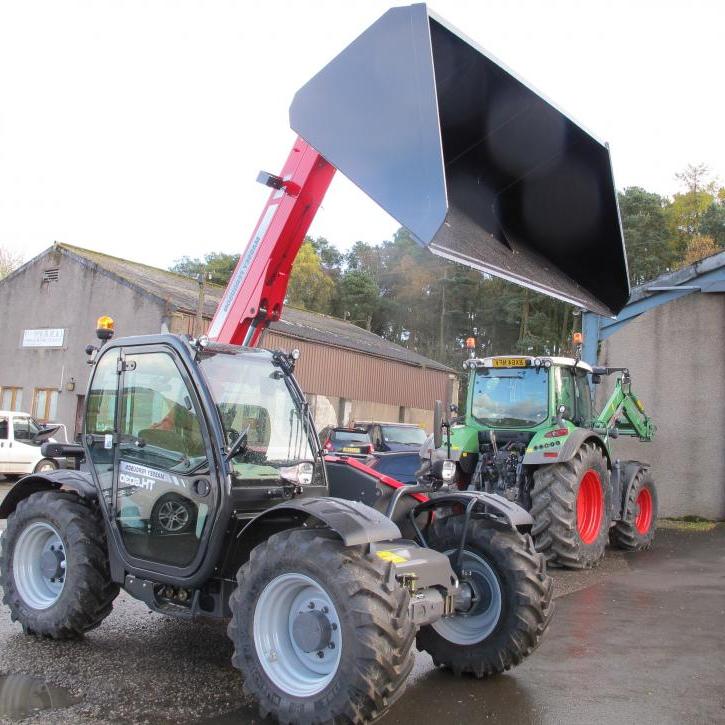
(11, 398)
(45, 404)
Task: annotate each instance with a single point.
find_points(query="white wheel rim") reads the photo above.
(297, 672)
(37, 587)
(465, 628)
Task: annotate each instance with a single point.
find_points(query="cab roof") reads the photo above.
(515, 361)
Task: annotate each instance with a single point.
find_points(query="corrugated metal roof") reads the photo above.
(183, 293)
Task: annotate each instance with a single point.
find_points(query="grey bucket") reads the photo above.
(479, 167)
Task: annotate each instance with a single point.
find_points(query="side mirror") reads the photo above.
(437, 424)
(453, 408)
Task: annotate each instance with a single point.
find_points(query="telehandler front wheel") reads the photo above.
(510, 605)
(636, 530)
(571, 504)
(54, 566)
(321, 632)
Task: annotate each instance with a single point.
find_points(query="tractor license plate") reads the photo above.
(510, 362)
(351, 450)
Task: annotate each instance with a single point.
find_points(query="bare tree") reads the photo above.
(9, 261)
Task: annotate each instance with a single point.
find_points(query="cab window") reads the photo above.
(583, 398)
(159, 425)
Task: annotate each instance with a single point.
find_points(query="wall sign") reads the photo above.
(49, 337)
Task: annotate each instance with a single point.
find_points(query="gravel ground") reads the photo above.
(140, 667)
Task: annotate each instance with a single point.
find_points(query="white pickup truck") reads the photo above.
(21, 437)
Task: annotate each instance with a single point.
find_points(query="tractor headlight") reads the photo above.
(300, 474)
(448, 470)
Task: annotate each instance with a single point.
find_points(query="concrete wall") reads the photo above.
(74, 303)
(676, 353)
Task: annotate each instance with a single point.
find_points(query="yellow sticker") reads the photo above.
(391, 556)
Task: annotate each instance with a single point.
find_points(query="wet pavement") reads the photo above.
(639, 640)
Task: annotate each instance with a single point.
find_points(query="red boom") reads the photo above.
(255, 294)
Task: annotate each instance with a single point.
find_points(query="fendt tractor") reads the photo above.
(201, 488)
(530, 434)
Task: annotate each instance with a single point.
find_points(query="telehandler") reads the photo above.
(530, 434)
(206, 492)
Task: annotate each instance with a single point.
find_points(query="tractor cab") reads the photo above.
(177, 431)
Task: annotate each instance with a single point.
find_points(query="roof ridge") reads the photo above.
(84, 252)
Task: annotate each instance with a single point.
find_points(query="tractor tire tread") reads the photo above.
(525, 616)
(83, 606)
(554, 511)
(377, 605)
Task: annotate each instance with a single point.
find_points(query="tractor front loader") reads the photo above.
(530, 435)
(204, 491)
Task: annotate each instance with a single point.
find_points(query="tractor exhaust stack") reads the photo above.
(474, 163)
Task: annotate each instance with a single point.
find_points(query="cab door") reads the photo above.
(163, 495)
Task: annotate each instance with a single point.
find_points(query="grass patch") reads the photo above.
(687, 523)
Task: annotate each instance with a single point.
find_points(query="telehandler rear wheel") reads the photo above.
(321, 631)
(54, 566)
(570, 503)
(511, 604)
(636, 530)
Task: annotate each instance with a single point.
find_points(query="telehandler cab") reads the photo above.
(530, 434)
(206, 492)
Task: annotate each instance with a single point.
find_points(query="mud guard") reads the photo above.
(354, 522)
(573, 443)
(497, 507)
(78, 482)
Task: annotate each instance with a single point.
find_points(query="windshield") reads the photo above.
(404, 434)
(510, 397)
(253, 396)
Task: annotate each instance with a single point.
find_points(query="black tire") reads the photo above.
(525, 592)
(88, 593)
(629, 533)
(554, 508)
(45, 464)
(376, 630)
(159, 525)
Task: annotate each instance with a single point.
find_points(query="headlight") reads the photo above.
(300, 474)
(448, 470)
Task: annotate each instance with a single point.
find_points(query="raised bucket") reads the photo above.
(478, 166)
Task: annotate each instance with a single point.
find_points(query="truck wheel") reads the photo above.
(636, 530)
(511, 604)
(321, 632)
(54, 566)
(571, 504)
(44, 465)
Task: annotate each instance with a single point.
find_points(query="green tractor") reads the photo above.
(530, 435)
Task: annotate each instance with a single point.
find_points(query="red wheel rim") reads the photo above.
(589, 507)
(643, 517)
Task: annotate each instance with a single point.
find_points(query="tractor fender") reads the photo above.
(508, 512)
(78, 482)
(354, 522)
(577, 438)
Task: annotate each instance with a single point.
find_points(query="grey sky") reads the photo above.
(138, 128)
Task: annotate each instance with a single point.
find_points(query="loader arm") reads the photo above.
(255, 294)
(624, 411)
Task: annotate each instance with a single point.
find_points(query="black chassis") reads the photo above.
(203, 587)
